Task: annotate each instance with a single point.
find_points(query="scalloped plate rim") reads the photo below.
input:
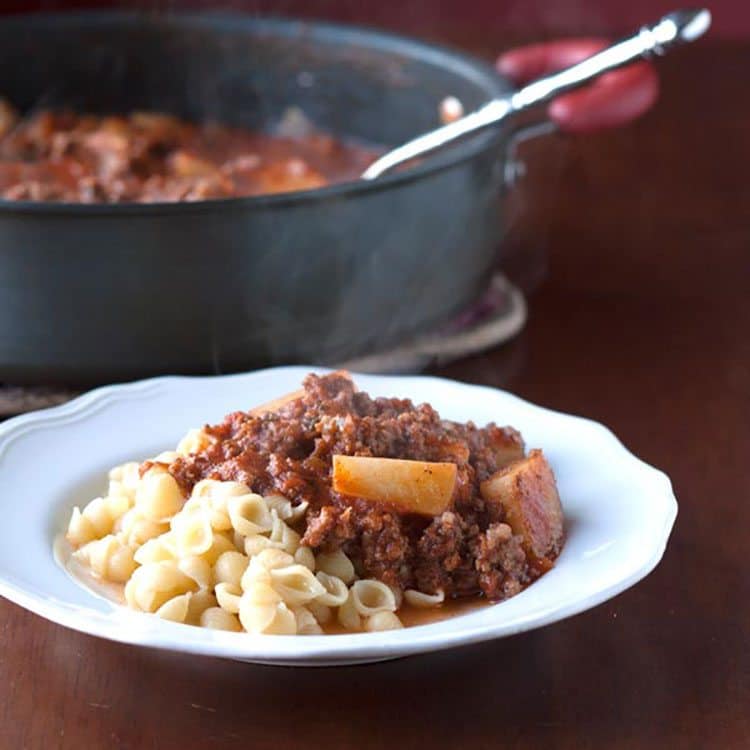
(118, 625)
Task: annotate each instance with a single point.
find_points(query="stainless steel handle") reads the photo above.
(674, 29)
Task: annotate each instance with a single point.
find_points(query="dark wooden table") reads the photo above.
(642, 323)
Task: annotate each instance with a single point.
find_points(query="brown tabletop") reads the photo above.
(642, 323)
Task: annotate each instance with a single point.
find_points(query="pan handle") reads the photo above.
(672, 30)
(614, 99)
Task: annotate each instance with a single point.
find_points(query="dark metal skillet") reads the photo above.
(93, 293)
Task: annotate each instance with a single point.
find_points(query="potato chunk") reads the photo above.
(422, 487)
(528, 494)
(276, 404)
(506, 444)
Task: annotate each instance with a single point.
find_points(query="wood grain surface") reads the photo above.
(642, 323)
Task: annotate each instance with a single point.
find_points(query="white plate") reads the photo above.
(619, 510)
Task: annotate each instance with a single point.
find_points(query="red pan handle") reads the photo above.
(612, 100)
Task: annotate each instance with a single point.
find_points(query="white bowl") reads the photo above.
(619, 510)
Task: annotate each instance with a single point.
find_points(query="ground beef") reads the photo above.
(466, 550)
(501, 561)
(151, 157)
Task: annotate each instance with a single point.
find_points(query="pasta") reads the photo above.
(284, 508)
(193, 534)
(296, 584)
(336, 564)
(137, 530)
(109, 558)
(336, 591)
(305, 556)
(219, 544)
(283, 536)
(228, 595)
(382, 621)
(158, 496)
(175, 609)
(269, 617)
(348, 616)
(420, 599)
(157, 549)
(153, 584)
(230, 566)
(370, 597)
(219, 619)
(249, 515)
(194, 441)
(224, 557)
(306, 622)
(320, 612)
(198, 569)
(80, 529)
(199, 602)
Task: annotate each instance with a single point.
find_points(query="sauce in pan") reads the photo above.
(147, 157)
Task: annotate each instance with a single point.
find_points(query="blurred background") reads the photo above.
(587, 208)
(448, 19)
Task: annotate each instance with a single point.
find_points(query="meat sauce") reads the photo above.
(147, 157)
(469, 549)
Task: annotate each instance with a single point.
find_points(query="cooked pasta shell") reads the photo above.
(261, 593)
(228, 595)
(230, 567)
(281, 505)
(220, 544)
(217, 618)
(175, 609)
(198, 569)
(255, 544)
(158, 496)
(249, 514)
(128, 474)
(108, 558)
(306, 622)
(97, 514)
(296, 584)
(275, 619)
(195, 440)
(274, 558)
(336, 564)
(166, 457)
(370, 596)
(322, 613)
(285, 509)
(154, 550)
(192, 532)
(335, 593)
(305, 556)
(284, 536)
(117, 505)
(422, 600)
(200, 601)
(255, 573)
(348, 616)
(382, 621)
(216, 488)
(152, 585)
(80, 529)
